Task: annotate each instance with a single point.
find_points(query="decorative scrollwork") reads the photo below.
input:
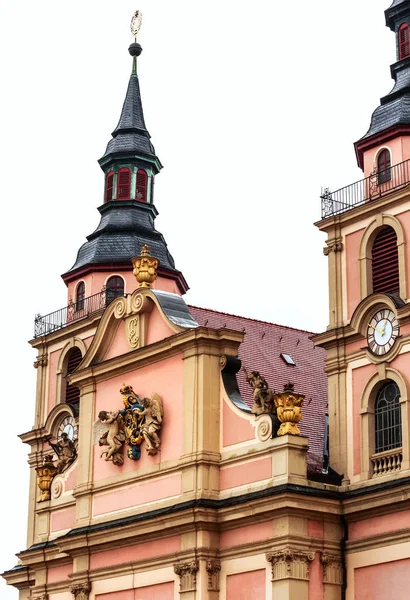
(120, 308)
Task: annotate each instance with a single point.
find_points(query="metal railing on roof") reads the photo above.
(376, 185)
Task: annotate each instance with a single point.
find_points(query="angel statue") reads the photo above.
(110, 434)
(153, 413)
(66, 452)
(262, 394)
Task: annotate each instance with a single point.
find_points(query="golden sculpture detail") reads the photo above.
(262, 394)
(45, 474)
(142, 421)
(288, 405)
(145, 268)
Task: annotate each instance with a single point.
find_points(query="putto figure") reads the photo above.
(262, 394)
(152, 420)
(111, 435)
(66, 452)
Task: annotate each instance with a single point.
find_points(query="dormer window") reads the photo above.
(383, 167)
(141, 189)
(109, 186)
(404, 41)
(124, 184)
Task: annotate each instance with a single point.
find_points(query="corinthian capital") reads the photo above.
(290, 563)
(187, 575)
(81, 591)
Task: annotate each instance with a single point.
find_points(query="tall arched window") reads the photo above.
(114, 288)
(72, 393)
(80, 296)
(383, 167)
(109, 186)
(404, 41)
(142, 183)
(387, 418)
(385, 262)
(123, 184)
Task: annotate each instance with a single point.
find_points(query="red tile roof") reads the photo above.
(261, 351)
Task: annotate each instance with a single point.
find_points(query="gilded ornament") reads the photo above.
(145, 268)
(289, 411)
(45, 474)
(133, 332)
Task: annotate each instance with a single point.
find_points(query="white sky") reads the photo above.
(252, 107)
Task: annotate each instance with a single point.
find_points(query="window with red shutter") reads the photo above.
(109, 185)
(80, 299)
(385, 262)
(142, 183)
(383, 167)
(72, 393)
(123, 184)
(404, 41)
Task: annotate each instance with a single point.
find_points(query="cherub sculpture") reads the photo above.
(111, 434)
(66, 452)
(262, 394)
(153, 413)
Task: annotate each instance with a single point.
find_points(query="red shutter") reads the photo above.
(385, 262)
(109, 184)
(124, 184)
(404, 41)
(384, 167)
(141, 190)
(72, 393)
(80, 296)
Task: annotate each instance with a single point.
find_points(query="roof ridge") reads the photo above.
(251, 319)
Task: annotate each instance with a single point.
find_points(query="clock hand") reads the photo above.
(376, 329)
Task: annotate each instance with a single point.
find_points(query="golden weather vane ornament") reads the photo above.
(136, 23)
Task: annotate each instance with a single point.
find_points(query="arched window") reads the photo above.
(383, 167)
(114, 288)
(80, 297)
(123, 184)
(387, 418)
(404, 41)
(109, 185)
(141, 189)
(385, 262)
(72, 393)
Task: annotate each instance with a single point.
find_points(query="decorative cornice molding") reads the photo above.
(290, 563)
(333, 246)
(332, 568)
(81, 591)
(187, 575)
(42, 361)
(213, 567)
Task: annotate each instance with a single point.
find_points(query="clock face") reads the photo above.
(382, 331)
(68, 426)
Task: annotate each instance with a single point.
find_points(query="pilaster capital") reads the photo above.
(81, 591)
(187, 575)
(213, 567)
(332, 568)
(40, 597)
(41, 361)
(290, 563)
(335, 245)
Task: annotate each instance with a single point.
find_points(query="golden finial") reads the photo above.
(289, 410)
(145, 268)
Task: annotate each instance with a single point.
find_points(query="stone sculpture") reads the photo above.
(262, 394)
(111, 435)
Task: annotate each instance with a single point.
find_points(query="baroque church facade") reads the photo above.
(180, 452)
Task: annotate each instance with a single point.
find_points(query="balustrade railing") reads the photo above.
(387, 462)
(376, 185)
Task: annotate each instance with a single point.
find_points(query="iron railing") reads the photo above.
(43, 325)
(376, 185)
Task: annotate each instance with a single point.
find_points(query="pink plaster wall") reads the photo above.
(162, 547)
(316, 529)
(166, 285)
(383, 581)
(87, 341)
(402, 363)
(235, 429)
(316, 578)
(59, 573)
(360, 378)
(246, 586)
(62, 519)
(378, 525)
(249, 472)
(137, 495)
(120, 344)
(160, 591)
(399, 149)
(71, 480)
(353, 270)
(246, 535)
(52, 379)
(165, 378)
(158, 329)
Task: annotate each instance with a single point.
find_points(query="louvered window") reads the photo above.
(404, 41)
(387, 418)
(80, 300)
(385, 262)
(383, 167)
(142, 182)
(114, 288)
(109, 185)
(72, 393)
(124, 184)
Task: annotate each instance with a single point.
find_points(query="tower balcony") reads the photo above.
(375, 186)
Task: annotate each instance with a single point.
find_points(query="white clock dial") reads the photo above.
(68, 426)
(382, 331)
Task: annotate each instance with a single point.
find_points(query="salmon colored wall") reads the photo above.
(161, 547)
(235, 429)
(157, 328)
(161, 591)
(249, 472)
(71, 480)
(316, 529)
(87, 341)
(402, 364)
(165, 378)
(59, 573)
(62, 519)
(378, 525)
(246, 535)
(396, 147)
(137, 495)
(360, 378)
(52, 379)
(166, 285)
(120, 344)
(383, 581)
(353, 270)
(246, 586)
(316, 578)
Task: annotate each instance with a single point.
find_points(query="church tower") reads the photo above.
(367, 340)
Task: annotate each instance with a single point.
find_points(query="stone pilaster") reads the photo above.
(290, 573)
(81, 591)
(213, 568)
(332, 576)
(187, 578)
